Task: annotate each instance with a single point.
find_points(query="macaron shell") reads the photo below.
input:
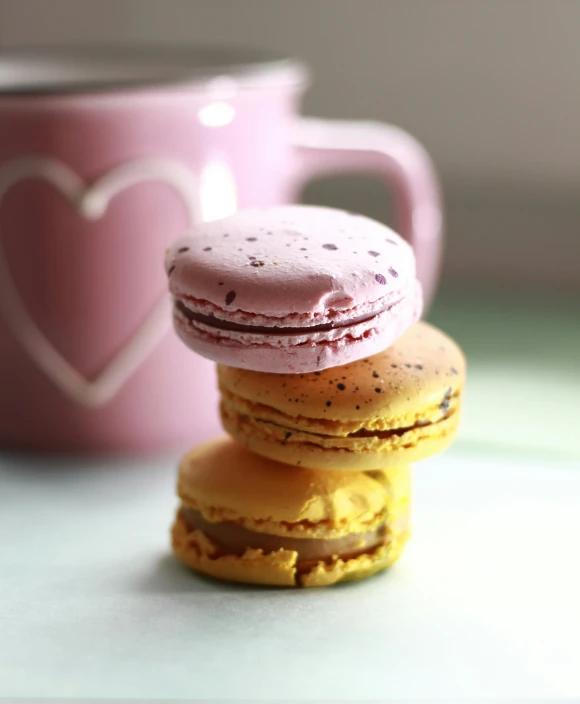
(225, 481)
(326, 574)
(307, 353)
(395, 408)
(342, 454)
(279, 568)
(291, 259)
(422, 369)
(194, 550)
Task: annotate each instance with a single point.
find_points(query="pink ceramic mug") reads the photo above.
(104, 160)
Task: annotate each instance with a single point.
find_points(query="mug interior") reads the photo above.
(75, 70)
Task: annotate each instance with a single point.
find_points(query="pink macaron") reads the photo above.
(292, 289)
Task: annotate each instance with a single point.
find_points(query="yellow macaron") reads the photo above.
(388, 410)
(246, 518)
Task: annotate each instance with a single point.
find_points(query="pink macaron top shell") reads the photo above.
(299, 261)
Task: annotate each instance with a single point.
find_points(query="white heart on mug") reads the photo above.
(91, 201)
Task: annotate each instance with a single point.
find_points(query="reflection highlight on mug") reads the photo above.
(217, 191)
(217, 114)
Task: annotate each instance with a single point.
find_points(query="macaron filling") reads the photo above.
(233, 539)
(211, 320)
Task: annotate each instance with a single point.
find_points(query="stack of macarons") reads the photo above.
(329, 386)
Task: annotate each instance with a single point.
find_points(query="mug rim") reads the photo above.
(97, 69)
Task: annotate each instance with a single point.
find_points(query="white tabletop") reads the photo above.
(485, 601)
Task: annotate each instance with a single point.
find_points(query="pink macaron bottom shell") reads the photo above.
(307, 352)
(331, 315)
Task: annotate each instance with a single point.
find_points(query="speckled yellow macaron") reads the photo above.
(246, 518)
(391, 409)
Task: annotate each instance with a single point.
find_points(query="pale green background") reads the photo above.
(523, 353)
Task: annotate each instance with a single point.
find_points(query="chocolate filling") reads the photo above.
(221, 324)
(363, 432)
(233, 539)
(392, 432)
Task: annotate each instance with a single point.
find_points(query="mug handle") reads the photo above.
(325, 147)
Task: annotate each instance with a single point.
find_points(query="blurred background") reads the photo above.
(490, 89)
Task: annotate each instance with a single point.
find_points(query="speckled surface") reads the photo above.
(291, 259)
(292, 289)
(398, 406)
